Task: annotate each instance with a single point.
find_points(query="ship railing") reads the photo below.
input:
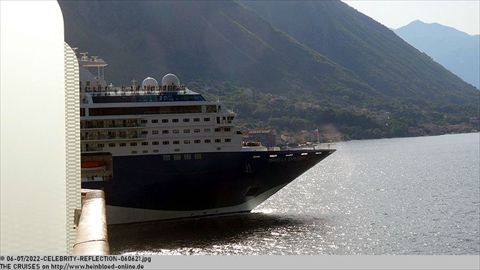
(320, 146)
(324, 146)
(99, 125)
(127, 91)
(91, 149)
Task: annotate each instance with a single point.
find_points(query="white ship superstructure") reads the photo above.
(150, 118)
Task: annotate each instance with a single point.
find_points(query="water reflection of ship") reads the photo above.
(161, 151)
(176, 237)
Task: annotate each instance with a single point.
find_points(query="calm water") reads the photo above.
(391, 196)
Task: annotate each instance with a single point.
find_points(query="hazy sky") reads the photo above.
(463, 15)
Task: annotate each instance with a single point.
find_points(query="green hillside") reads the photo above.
(364, 80)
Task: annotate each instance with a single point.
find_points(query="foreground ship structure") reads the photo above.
(161, 151)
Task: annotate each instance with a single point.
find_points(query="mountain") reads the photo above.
(457, 51)
(196, 39)
(369, 49)
(354, 75)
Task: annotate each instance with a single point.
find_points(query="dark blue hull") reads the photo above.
(212, 181)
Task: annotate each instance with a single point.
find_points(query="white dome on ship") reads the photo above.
(149, 81)
(170, 79)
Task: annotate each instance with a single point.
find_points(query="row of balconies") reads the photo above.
(111, 123)
(111, 136)
(85, 124)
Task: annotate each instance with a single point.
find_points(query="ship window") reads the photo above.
(154, 120)
(186, 131)
(217, 140)
(187, 156)
(206, 119)
(164, 131)
(164, 120)
(176, 142)
(144, 132)
(154, 131)
(144, 143)
(133, 144)
(155, 143)
(217, 129)
(219, 148)
(165, 142)
(207, 141)
(228, 140)
(239, 132)
(123, 144)
(197, 130)
(186, 142)
(174, 120)
(143, 121)
(226, 129)
(145, 151)
(82, 111)
(207, 130)
(197, 141)
(111, 144)
(211, 108)
(196, 119)
(177, 157)
(100, 145)
(175, 131)
(166, 157)
(218, 120)
(176, 150)
(197, 156)
(134, 152)
(155, 150)
(186, 120)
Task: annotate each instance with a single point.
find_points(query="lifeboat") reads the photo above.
(93, 165)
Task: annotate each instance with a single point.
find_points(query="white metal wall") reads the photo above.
(32, 129)
(72, 136)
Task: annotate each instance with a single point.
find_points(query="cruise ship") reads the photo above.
(162, 151)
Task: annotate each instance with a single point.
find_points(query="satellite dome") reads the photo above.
(149, 81)
(170, 79)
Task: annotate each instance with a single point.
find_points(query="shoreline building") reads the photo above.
(267, 137)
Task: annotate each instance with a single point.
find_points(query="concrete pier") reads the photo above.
(92, 236)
